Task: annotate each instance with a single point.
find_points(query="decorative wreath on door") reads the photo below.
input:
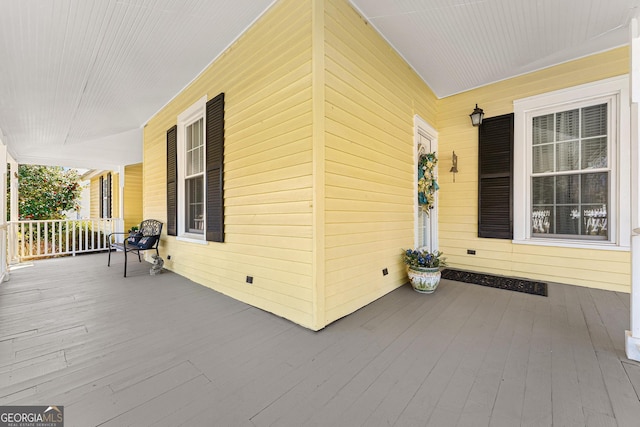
(427, 183)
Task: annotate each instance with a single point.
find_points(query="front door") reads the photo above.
(426, 224)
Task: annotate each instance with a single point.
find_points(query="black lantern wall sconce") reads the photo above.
(477, 116)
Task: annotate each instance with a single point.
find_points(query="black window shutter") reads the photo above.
(495, 177)
(108, 214)
(172, 181)
(215, 169)
(102, 215)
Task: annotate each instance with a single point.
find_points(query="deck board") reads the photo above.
(567, 407)
(162, 350)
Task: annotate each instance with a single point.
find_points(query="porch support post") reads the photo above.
(632, 341)
(14, 215)
(4, 270)
(13, 202)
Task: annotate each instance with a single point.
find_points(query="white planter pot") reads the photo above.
(424, 279)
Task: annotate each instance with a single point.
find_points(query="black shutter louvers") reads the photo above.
(172, 181)
(495, 177)
(215, 169)
(101, 197)
(109, 207)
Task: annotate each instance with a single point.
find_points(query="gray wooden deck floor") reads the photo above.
(163, 351)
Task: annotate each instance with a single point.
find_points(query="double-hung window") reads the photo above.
(572, 187)
(195, 175)
(571, 173)
(191, 153)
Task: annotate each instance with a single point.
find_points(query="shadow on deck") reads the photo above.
(162, 350)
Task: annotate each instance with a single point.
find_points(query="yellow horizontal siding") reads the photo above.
(458, 201)
(115, 195)
(342, 139)
(342, 152)
(266, 78)
(94, 197)
(371, 97)
(132, 195)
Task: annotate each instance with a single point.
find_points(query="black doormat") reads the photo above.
(500, 282)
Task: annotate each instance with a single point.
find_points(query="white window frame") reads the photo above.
(192, 114)
(614, 90)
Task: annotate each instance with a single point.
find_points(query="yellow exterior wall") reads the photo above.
(318, 165)
(458, 201)
(319, 168)
(268, 187)
(132, 195)
(372, 96)
(115, 195)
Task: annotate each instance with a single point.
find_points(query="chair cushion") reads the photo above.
(134, 237)
(147, 242)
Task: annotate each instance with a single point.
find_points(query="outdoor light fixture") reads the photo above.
(477, 116)
(454, 165)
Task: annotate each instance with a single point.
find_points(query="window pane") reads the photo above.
(199, 164)
(424, 229)
(568, 220)
(567, 189)
(595, 220)
(594, 121)
(594, 153)
(189, 150)
(542, 191)
(543, 195)
(542, 221)
(197, 129)
(567, 156)
(595, 188)
(194, 190)
(543, 129)
(189, 138)
(543, 159)
(567, 125)
(195, 161)
(195, 148)
(189, 163)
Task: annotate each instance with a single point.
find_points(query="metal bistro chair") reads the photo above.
(146, 238)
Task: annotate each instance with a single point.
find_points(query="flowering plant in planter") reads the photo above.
(423, 258)
(423, 269)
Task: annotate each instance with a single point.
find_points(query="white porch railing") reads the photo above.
(49, 238)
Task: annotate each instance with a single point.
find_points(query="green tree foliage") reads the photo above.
(46, 192)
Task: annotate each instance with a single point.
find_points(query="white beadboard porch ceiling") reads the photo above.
(79, 78)
(457, 45)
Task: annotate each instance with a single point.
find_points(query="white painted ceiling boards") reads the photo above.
(79, 78)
